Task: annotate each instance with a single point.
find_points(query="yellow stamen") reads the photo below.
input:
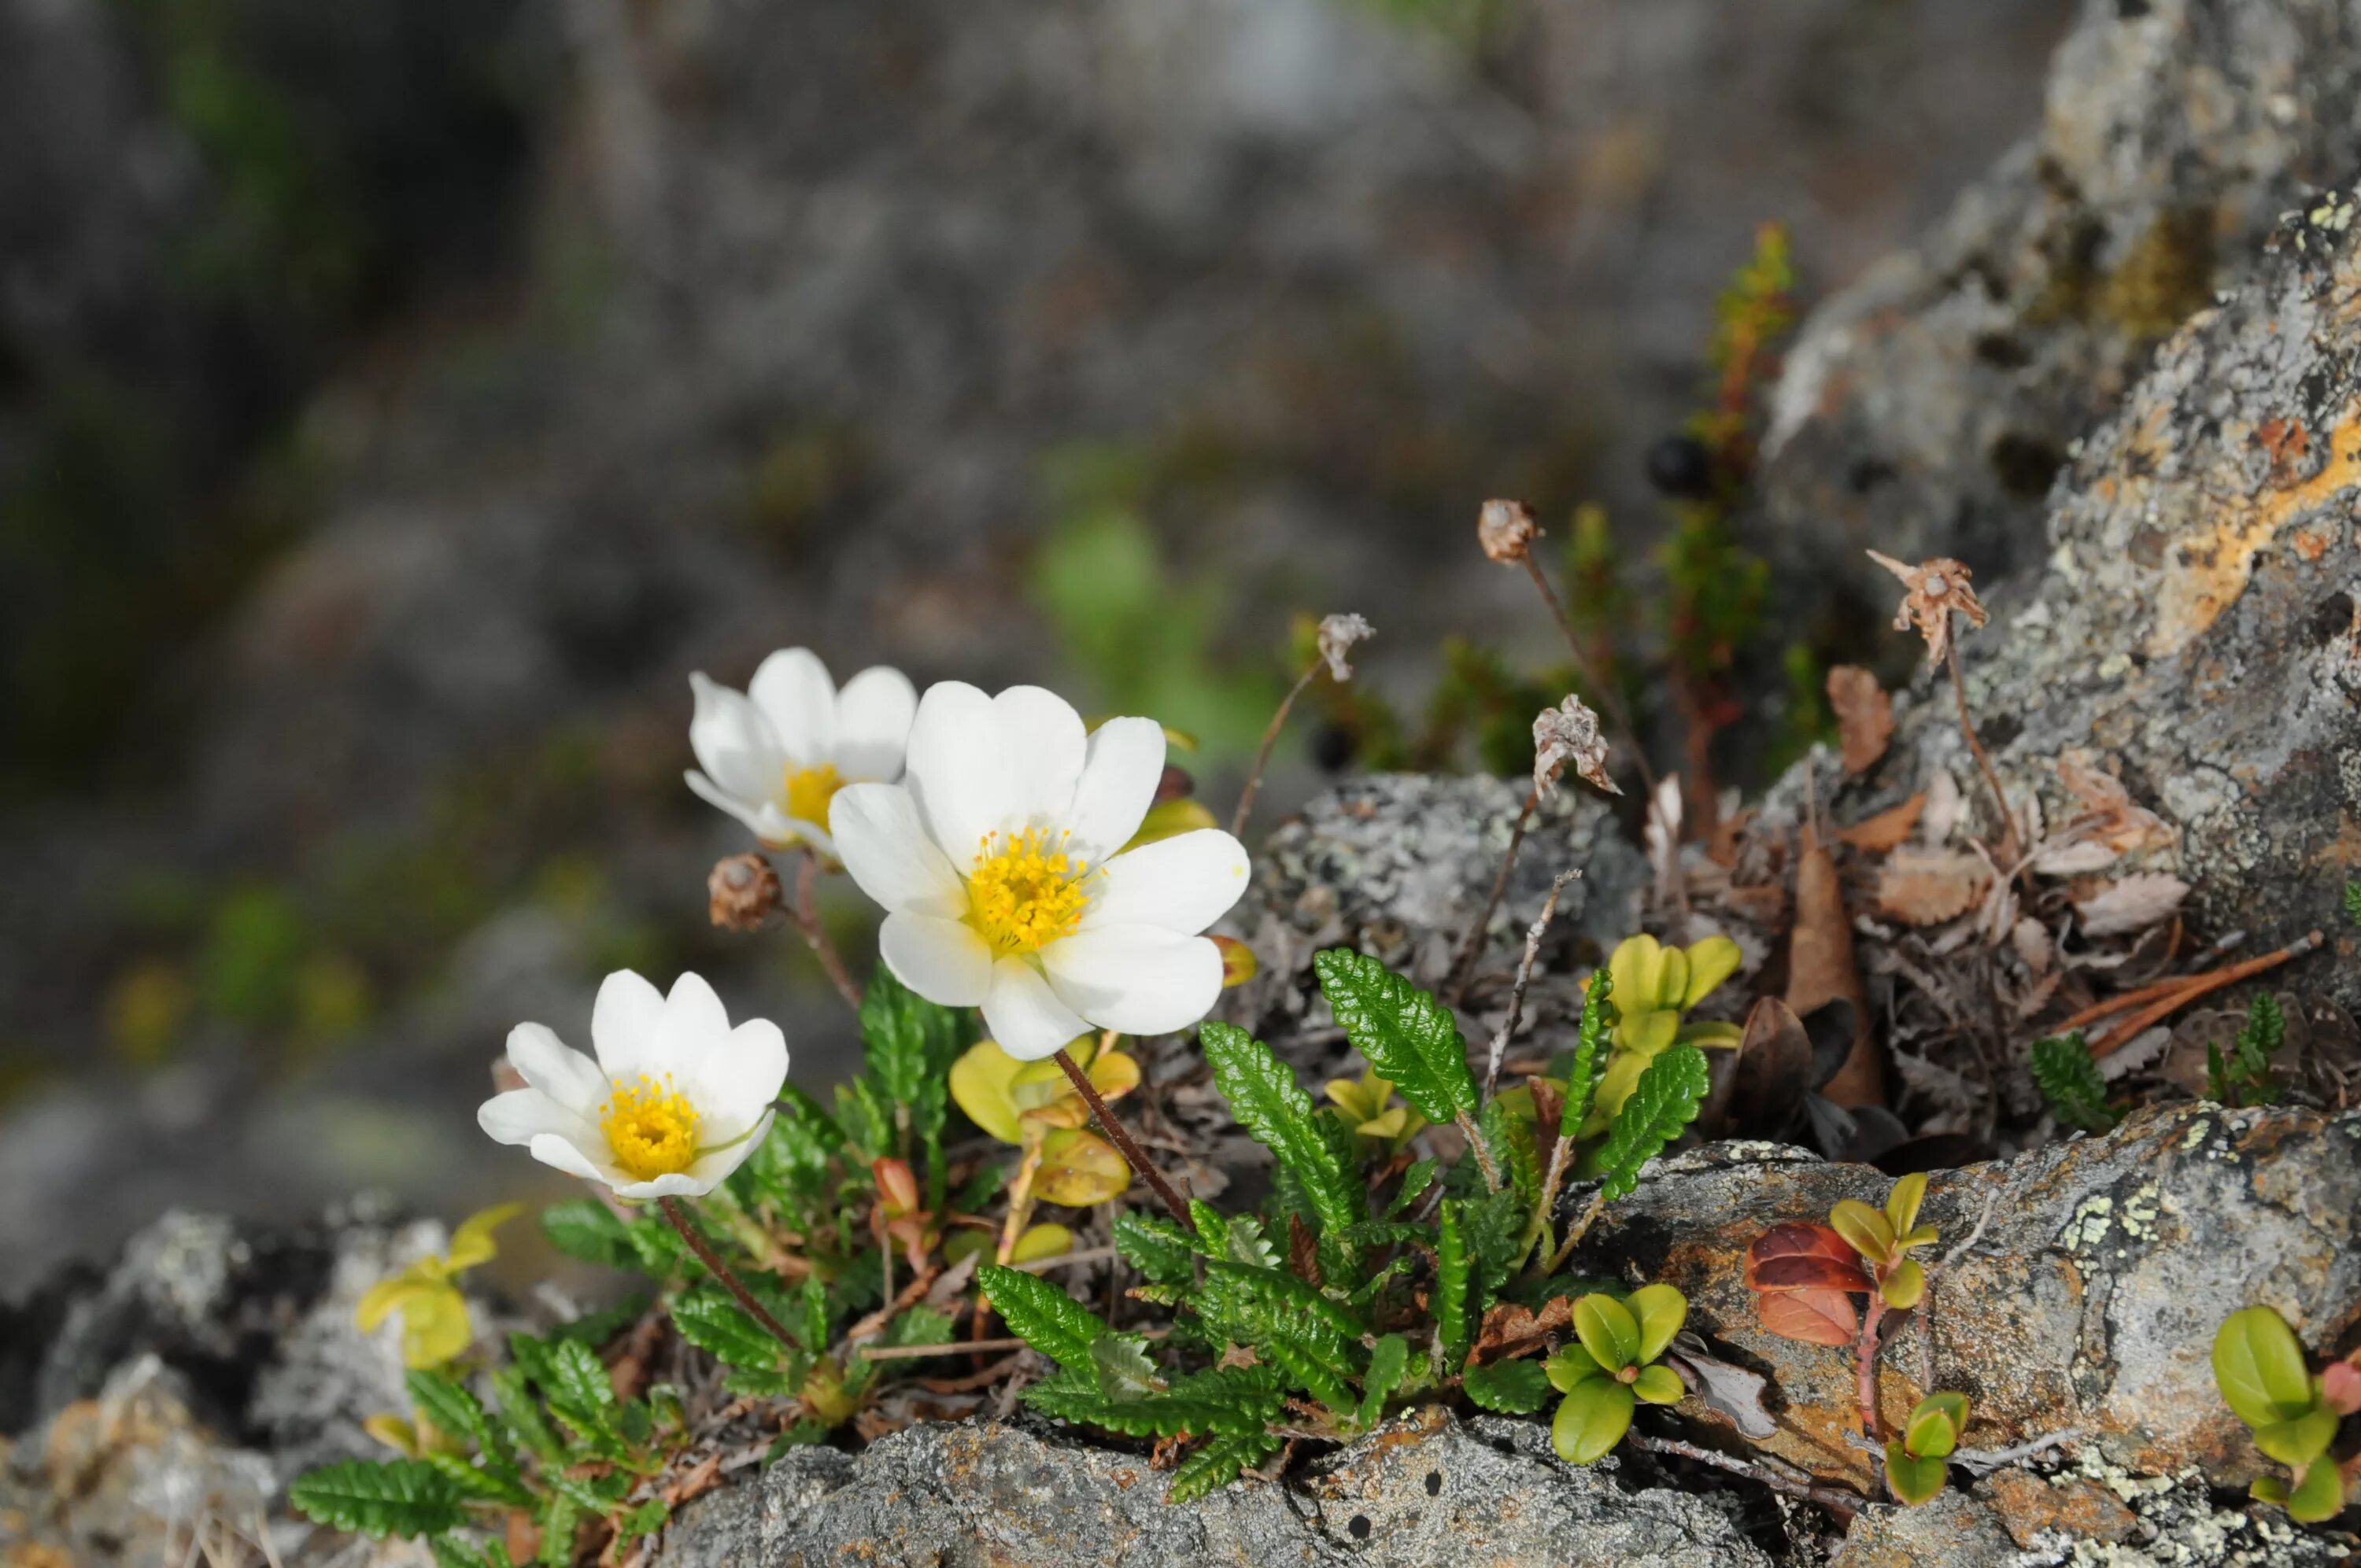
(806, 792)
(1026, 892)
(651, 1127)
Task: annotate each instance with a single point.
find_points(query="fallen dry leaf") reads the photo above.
(1820, 970)
(1511, 1330)
(1661, 835)
(1865, 717)
(2132, 903)
(1887, 829)
(2112, 815)
(1730, 1392)
(2067, 858)
(2031, 939)
(1926, 887)
(1945, 806)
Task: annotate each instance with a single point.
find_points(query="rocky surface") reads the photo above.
(1928, 408)
(1427, 1489)
(2089, 1303)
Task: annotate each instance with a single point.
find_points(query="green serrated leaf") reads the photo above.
(866, 1113)
(1389, 1365)
(469, 1481)
(1270, 1105)
(559, 1523)
(596, 1328)
(710, 1319)
(1219, 1462)
(1511, 1387)
(398, 1497)
(443, 1401)
(2070, 1081)
(1594, 1040)
(1403, 1032)
(1043, 1315)
(1663, 1103)
(790, 1167)
(1288, 1323)
(645, 1520)
(1224, 1399)
(1414, 1183)
(1514, 1149)
(1123, 1368)
(1494, 1227)
(521, 1413)
(1451, 1275)
(910, 1044)
(580, 1392)
(450, 1551)
(1163, 1252)
(586, 1229)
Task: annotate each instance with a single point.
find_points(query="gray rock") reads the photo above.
(2090, 1303)
(1926, 409)
(1424, 1490)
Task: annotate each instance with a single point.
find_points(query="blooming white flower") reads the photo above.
(675, 1102)
(996, 860)
(774, 755)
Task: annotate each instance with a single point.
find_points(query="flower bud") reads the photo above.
(742, 891)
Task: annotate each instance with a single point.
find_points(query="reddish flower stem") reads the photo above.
(672, 1210)
(1133, 1154)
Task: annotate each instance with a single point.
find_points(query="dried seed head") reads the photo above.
(1337, 635)
(1507, 530)
(1565, 734)
(742, 891)
(1935, 590)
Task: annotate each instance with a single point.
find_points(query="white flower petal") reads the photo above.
(695, 1025)
(1046, 744)
(558, 1070)
(679, 1184)
(521, 1115)
(958, 770)
(793, 689)
(627, 1025)
(1117, 786)
(734, 743)
(1139, 978)
(1024, 1017)
(943, 960)
(735, 1079)
(762, 817)
(872, 724)
(576, 1160)
(1182, 883)
(715, 1165)
(884, 844)
(798, 831)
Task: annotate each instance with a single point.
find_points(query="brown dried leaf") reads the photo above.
(1511, 1330)
(1302, 1252)
(1865, 717)
(2131, 903)
(1926, 887)
(1945, 808)
(1820, 970)
(1887, 829)
(1814, 1317)
(1730, 1392)
(2116, 820)
(1934, 590)
(2068, 858)
(2031, 939)
(1800, 1239)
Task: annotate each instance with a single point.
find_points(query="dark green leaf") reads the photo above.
(521, 1413)
(2070, 1081)
(1511, 1140)
(910, 1044)
(1123, 1368)
(587, 1229)
(450, 1551)
(1593, 1041)
(400, 1497)
(866, 1114)
(645, 1520)
(1268, 1103)
(1451, 1270)
(1219, 1462)
(1414, 1183)
(790, 1168)
(467, 1481)
(580, 1392)
(1663, 1103)
(1511, 1387)
(559, 1522)
(1224, 1399)
(1389, 1365)
(1158, 1248)
(595, 1329)
(1043, 1315)
(1494, 1224)
(709, 1318)
(450, 1407)
(1404, 1033)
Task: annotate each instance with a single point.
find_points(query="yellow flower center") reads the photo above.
(806, 792)
(651, 1127)
(1026, 893)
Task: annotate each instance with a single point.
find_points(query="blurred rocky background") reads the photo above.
(397, 402)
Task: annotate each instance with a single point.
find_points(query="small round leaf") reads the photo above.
(1569, 1366)
(1592, 1420)
(1608, 1330)
(1864, 1229)
(1660, 1386)
(1912, 1480)
(2318, 1493)
(1934, 1427)
(1660, 1311)
(1902, 1203)
(1903, 1285)
(2297, 1442)
(2258, 1366)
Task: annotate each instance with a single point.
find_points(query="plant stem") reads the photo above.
(1262, 754)
(1533, 934)
(1132, 1156)
(673, 1211)
(1984, 760)
(1580, 1228)
(1471, 946)
(805, 917)
(1608, 698)
(1479, 1148)
(2131, 1028)
(1865, 1365)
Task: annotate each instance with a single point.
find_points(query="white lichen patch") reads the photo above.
(2086, 1228)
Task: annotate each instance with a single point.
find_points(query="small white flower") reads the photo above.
(774, 755)
(996, 860)
(675, 1102)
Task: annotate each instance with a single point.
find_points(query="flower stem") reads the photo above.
(1865, 1365)
(1581, 1228)
(1479, 1148)
(1262, 755)
(1984, 760)
(805, 917)
(1132, 1154)
(672, 1210)
(1471, 946)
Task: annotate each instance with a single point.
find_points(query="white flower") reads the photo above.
(675, 1102)
(774, 755)
(996, 862)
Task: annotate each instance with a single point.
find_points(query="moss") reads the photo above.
(2164, 278)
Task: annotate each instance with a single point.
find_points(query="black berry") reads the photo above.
(1333, 746)
(1680, 467)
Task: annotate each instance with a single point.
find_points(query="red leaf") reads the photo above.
(1810, 1273)
(1815, 1317)
(1799, 1238)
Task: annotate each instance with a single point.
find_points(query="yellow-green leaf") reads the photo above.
(1912, 1480)
(1711, 1036)
(1041, 1241)
(1659, 1386)
(1079, 1169)
(1660, 1311)
(2318, 1494)
(2299, 1442)
(1608, 1330)
(1591, 1420)
(1171, 818)
(1710, 962)
(1902, 1203)
(1646, 1034)
(472, 1243)
(1934, 1427)
(1569, 1366)
(1863, 1228)
(1903, 1285)
(981, 1080)
(2258, 1366)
